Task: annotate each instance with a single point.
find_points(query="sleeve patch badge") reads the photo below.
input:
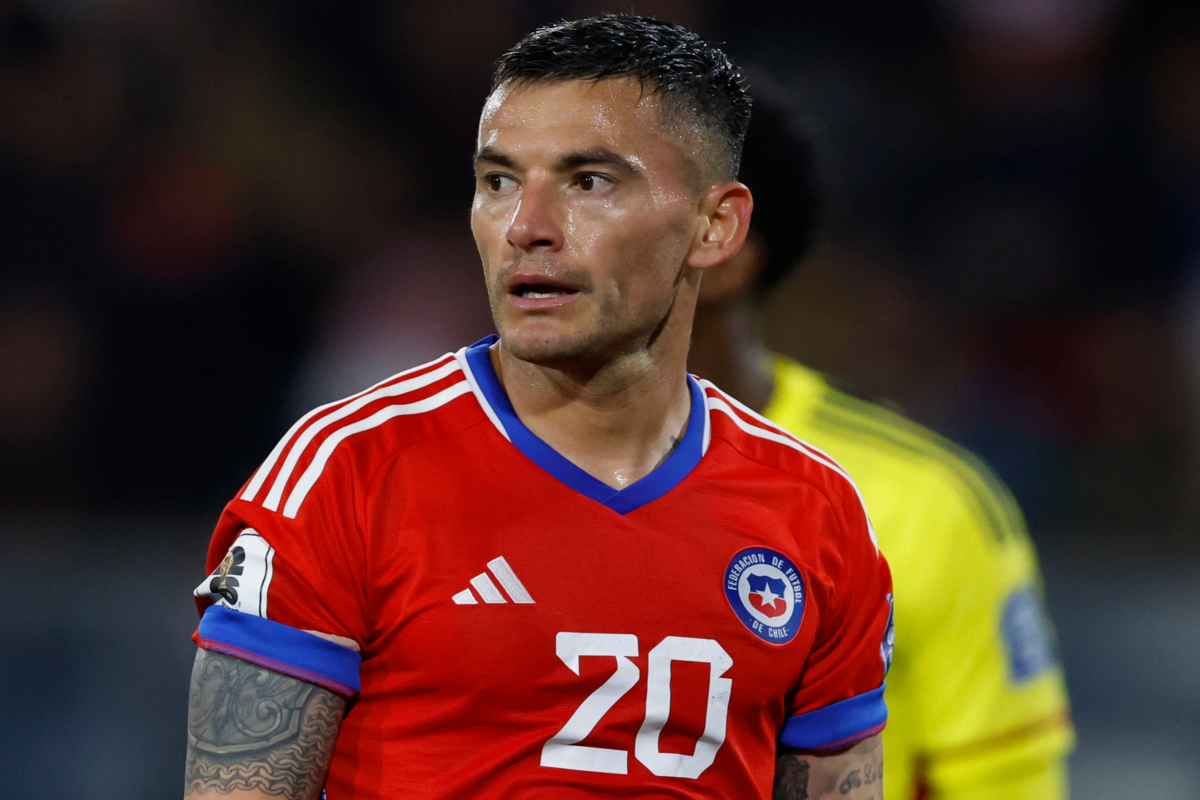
(888, 647)
(242, 578)
(1027, 635)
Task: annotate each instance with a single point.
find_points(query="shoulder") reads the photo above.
(901, 467)
(769, 446)
(350, 438)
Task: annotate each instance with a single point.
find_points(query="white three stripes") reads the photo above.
(303, 440)
(488, 590)
(375, 420)
(344, 408)
(260, 477)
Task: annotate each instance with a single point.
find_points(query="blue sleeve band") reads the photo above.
(281, 648)
(839, 725)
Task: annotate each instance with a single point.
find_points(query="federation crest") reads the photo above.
(764, 589)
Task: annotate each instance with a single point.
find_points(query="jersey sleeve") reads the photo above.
(276, 581)
(982, 678)
(839, 701)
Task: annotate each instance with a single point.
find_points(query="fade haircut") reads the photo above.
(695, 81)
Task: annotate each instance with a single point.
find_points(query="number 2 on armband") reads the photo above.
(563, 749)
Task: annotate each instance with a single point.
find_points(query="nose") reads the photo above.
(535, 224)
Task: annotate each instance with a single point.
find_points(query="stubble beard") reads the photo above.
(600, 338)
(559, 345)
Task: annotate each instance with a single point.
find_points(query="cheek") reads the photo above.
(656, 248)
(489, 234)
(610, 236)
(483, 219)
(648, 267)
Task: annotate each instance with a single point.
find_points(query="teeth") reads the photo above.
(540, 295)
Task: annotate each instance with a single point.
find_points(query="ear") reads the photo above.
(724, 222)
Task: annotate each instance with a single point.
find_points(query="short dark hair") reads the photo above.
(779, 166)
(692, 76)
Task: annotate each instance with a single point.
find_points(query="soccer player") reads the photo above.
(552, 564)
(976, 697)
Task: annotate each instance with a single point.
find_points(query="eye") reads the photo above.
(499, 183)
(590, 181)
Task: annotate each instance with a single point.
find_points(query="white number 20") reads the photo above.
(564, 752)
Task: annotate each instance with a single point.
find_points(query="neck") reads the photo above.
(617, 422)
(726, 351)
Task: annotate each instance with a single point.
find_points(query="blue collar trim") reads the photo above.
(663, 479)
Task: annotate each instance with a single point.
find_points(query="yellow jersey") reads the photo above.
(976, 697)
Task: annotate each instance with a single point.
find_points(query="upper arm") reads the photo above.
(266, 698)
(254, 733)
(274, 581)
(305, 571)
(854, 774)
(281, 638)
(838, 699)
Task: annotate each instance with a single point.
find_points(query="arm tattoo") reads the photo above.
(256, 730)
(871, 772)
(791, 778)
(853, 774)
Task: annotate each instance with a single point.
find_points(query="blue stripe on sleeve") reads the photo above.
(840, 724)
(281, 648)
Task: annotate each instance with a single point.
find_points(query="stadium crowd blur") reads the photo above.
(215, 215)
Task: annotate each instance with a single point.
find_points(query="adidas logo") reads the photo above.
(489, 591)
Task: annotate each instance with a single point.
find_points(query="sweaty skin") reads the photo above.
(583, 193)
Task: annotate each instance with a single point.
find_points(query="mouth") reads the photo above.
(539, 286)
(534, 292)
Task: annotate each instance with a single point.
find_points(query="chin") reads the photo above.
(542, 349)
(552, 348)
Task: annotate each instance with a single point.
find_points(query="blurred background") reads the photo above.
(215, 215)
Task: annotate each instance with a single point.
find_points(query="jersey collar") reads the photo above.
(665, 477)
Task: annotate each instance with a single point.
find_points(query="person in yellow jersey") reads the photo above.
(978, 704)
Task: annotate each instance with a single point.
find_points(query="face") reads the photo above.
(584, 218)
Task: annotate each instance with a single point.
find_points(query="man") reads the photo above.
(552, 564)
(977, 703)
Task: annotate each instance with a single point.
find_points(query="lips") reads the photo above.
(535, 291)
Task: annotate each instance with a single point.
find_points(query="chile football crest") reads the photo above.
(765, 591)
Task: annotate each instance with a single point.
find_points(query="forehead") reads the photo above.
(564, 115)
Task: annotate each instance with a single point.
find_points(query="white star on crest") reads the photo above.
(768, 597)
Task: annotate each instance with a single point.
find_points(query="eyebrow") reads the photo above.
(596, 155)
(494, 156)
(568, 161)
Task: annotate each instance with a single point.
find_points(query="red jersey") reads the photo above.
(527, 630)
